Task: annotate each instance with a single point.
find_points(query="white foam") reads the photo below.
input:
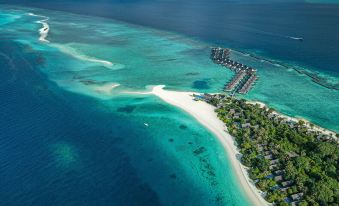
(105, 89)
(278, 35)
(45, 27)
(68, 50)
(43, 31)
(72, 52)
(101, 91)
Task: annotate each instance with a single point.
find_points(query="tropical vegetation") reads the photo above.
(291, 162)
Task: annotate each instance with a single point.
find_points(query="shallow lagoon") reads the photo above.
(68, 139)
(144, 56)
(95, 138)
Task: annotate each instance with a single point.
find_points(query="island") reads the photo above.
(292, 161)
(277, 159)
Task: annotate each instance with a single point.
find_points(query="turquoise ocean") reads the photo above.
(72, 134)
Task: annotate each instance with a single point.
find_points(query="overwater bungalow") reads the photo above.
(248, 84)
(235, 81)
(245, 75)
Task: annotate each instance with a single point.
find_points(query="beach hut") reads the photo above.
(247, 125)
(268, 157)
(292, 154)
(287, 183)
(279, 172)
(284, 189)
(278, 178)
(272, 167)
(275, 161)
(297, 196)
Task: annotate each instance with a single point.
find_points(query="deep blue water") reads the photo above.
(263, 27)
(61, 148)
(37, 118)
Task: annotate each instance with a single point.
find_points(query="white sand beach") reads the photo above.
(204, 113)
(309, 125)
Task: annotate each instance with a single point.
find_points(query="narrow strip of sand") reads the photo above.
(297, 119)
(204, 113)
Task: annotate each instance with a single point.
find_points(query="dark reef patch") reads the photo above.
(127, 109)
(199, 151)
(173, 176)
(87, 82)
(192, 73)
(200, 84)
(150, 160)
(139, 98)
(183, 126)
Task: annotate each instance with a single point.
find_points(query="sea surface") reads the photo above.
(68, 137)
(266, 29)
(72, 133)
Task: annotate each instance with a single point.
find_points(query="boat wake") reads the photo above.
(295, 38)
(277, 35)
(285, 36)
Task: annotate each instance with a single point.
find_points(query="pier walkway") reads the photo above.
(245, 76)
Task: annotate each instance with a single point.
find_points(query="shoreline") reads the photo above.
(205, 114)
(296, 119)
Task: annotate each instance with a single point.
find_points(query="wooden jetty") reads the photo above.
(245, 76)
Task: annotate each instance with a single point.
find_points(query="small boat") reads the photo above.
(146, 124)
(297, 38)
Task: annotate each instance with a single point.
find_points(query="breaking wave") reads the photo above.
(45, 27)
(67, 50)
